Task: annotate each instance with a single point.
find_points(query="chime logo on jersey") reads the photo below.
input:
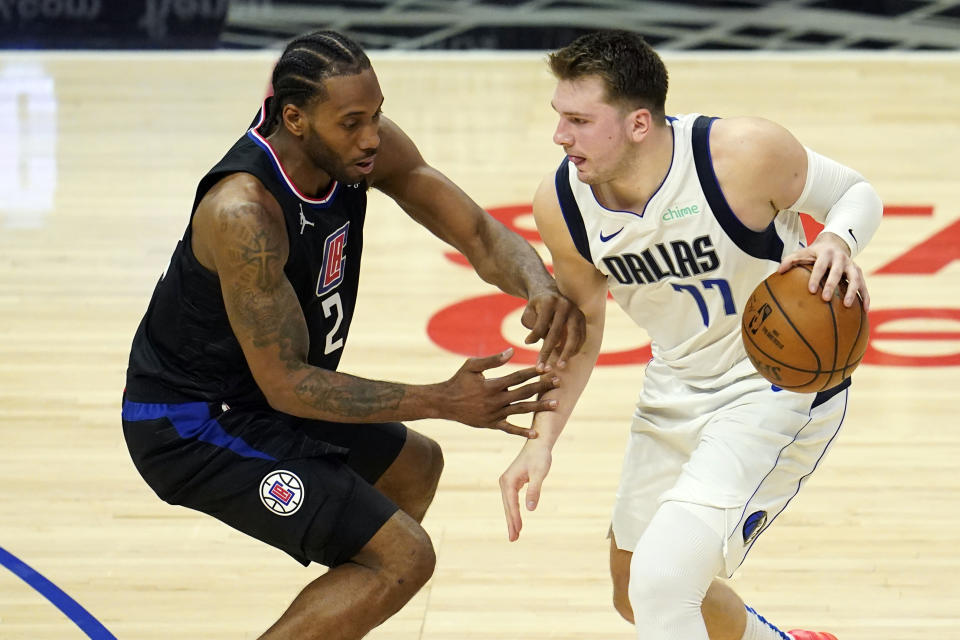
(281, 492)
(331, 274)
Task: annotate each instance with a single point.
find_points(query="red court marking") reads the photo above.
(879, 317)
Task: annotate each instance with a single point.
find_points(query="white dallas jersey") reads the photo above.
(684, 268)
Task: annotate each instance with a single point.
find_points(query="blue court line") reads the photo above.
(70, 608)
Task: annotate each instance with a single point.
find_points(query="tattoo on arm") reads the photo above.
(264, 304)
(265, 308)
(347, 395)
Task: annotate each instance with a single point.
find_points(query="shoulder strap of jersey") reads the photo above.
(766, 244)
(571, 211)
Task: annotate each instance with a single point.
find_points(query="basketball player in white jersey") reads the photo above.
(680, 218)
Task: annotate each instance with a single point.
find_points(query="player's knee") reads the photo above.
(427, 477)
(412, 562)
(657, 593)
(433, 467)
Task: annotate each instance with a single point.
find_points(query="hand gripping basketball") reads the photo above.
(799, 341)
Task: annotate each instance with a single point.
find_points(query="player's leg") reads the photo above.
(769, 456)
(673, 564)
(724, 613)
(259, 474)
(403, 464)
(411, 480)
(620, 576)
(354, 597)
(722, 608)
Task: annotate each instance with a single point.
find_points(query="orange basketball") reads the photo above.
(798, 341)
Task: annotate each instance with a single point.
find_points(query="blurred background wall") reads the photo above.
(902, 25)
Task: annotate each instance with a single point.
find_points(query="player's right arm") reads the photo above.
(239, 233)
(585, 286)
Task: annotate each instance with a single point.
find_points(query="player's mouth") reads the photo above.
(365, 166)
(576, 160)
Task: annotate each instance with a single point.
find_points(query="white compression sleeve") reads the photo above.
(842, 199)
(674, 563)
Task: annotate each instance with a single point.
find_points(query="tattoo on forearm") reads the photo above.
(347, 395)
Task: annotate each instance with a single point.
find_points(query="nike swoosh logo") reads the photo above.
(604, 238)
(850, 231)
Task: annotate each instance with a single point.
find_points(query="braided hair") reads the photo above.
(306, 62)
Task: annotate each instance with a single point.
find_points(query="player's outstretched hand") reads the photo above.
(473, 399)
(830, 257)
(529, 468)
(558, 322)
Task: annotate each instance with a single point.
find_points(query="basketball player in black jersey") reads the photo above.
(233, 405)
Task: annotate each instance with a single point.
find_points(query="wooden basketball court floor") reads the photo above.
(100, 158)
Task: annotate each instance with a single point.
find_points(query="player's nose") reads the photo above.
(370, 140)
(561, 135)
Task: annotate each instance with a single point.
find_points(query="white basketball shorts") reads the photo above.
(744, 447)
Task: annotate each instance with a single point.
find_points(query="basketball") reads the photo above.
(798, 341)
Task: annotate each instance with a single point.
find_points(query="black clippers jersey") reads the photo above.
(184, 349)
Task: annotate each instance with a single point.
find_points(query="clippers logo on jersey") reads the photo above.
(281, 492)
(331, 274)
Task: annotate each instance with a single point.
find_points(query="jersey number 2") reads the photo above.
(720, 285)
(331, 305)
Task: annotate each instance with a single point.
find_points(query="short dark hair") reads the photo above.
(631, 70)
(306, 62)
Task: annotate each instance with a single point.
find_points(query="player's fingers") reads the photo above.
(529, 317)
(840, 265)
(506, 427)
(510, 495)
(865, 296)
(553, 339)
(855, 285)
(539, 323)
(795, 258)
(817, 272)
(532, 389)
(836, 271)
(482, 363)
(787, 263)
(531, 406)
(556, 334)
(515, 378)
(533, 491)
(576, 334)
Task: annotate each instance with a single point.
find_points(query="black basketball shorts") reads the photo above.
(303, 486)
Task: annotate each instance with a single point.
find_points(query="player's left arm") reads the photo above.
(795, 178)
(499, 256)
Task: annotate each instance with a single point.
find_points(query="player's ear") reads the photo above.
(294, 119)
(640, 122)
